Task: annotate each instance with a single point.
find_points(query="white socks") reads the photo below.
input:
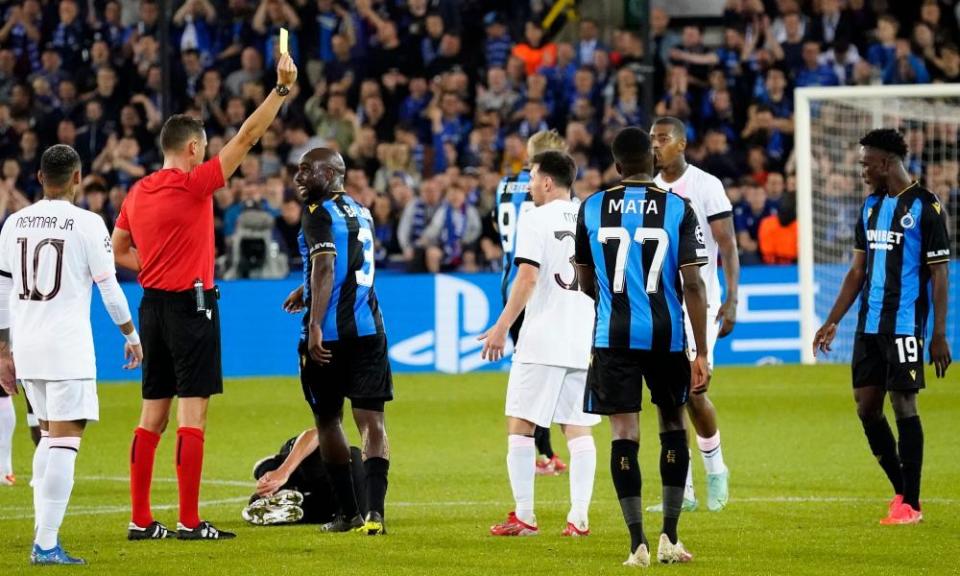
(712, 455)
(712, 461)
(583, 468)
(39, 470)
(8, 423)
(55, 489)
(522, 467)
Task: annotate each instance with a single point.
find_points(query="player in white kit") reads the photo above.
(51, 254)
(549, 372)
(715, 214)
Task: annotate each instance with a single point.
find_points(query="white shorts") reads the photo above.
(713, 330)
(63, 400)
(548, 394)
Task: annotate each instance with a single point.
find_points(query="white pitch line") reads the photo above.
(99, 510)
(245, 484)
(92, 511)
(759, 499)
(829, 499)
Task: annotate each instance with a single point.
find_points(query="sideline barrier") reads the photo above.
(433, 321)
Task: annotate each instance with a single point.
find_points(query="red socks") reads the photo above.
(142, 454)
(189, 459)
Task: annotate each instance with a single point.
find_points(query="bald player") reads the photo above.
(343, 346)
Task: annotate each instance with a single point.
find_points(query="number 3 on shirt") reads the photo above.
(907, 349)
(622, 237)
(365, 236)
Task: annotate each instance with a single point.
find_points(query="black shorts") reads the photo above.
(894, 362)
(181, 346)
(616, 376)
(358, 370)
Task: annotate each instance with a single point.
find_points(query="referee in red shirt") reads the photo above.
(165, 232)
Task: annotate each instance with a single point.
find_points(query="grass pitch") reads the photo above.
(806, 494)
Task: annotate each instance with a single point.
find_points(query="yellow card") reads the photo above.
(283, 40)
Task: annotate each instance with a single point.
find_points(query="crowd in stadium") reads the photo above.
(430, 109)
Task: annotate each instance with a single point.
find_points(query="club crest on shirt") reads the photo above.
(908, 221)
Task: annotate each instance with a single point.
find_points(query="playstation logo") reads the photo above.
(462, 312)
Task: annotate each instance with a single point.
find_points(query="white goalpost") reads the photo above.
(829, 123)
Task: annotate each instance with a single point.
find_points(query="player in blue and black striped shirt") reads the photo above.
(635, 243)
(513, 199)
(902, 253)
(343, 346)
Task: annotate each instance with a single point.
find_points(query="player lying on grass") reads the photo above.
(293, 486)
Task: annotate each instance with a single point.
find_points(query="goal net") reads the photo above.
(830, 190)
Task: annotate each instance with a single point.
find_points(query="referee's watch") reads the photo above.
(282, 90)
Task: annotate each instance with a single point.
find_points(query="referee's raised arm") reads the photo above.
(256, 125)
(168, 217)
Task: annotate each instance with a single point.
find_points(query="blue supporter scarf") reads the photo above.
(454, 226)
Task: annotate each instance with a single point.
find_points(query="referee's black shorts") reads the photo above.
(181, 346)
